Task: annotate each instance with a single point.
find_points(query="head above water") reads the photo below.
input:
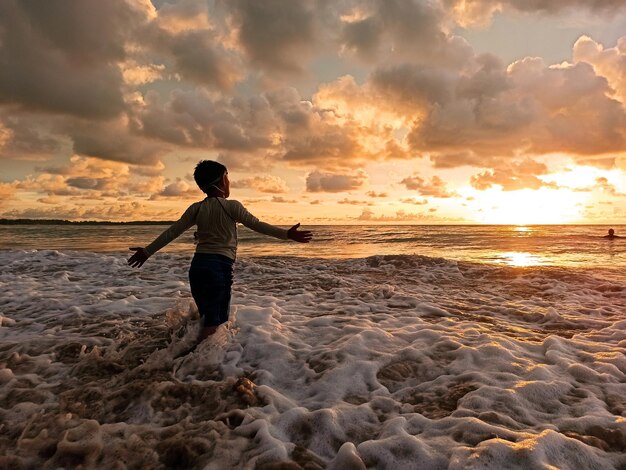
(611, 232)
(212, 178)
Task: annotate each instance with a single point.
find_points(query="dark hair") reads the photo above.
(208, 172)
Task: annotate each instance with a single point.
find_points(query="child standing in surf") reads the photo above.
(211, 270)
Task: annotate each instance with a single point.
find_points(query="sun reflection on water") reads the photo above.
(516, 258)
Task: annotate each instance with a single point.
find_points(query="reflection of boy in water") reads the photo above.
(611, 235)
(211, 270)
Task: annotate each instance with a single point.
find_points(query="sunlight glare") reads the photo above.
(528, 207)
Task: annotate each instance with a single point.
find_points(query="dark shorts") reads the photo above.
(211, 279)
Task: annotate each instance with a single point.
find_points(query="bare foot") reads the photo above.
(205, 332)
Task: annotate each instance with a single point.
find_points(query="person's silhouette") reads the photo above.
(211, 270)
(611, 235)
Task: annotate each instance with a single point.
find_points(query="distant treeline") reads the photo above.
(85, 222)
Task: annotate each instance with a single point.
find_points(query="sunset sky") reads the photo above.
(379, 111)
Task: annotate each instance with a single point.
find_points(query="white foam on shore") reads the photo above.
(383, 362)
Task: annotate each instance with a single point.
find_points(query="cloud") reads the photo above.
(7, 191)
(62, 57)
(264, 184)
(354, 202)
(537, 109)
(607, 62)
(514, 176)
(391, 30)
(479, 12)
(133, 85)
(199, 56)
(100, 184)
(138, 74)
(178, 189)
(89, 178)
(457, 159)
(27, 138)
(400, 216)
(436, 187)
(104, 211)
(318, 181)
(417, 202)
(113, 141)
(282, 200)
(607, 187)
(184, 15)
(275, 34)
(201, 119)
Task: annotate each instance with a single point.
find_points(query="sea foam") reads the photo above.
(394, 361)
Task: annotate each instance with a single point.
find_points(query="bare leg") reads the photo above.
(205, 332)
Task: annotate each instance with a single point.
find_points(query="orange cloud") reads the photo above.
(436, 187)
(607, 62)
(512, 176)
(264, 184)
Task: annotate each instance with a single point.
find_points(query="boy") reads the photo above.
(211, 270)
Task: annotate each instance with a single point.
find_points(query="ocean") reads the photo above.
(378, 347)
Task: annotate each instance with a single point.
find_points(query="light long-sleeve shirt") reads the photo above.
(216, 219)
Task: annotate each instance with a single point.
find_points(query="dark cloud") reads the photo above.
(414, 86)
(199, 58)
(89, 183)
(27, 137)
(492, 111)
(392, 30)
(363, 36)
(275, 34)
(318, 181)
(199, 119)
(62, 56)
(178, 189)
(114, 142)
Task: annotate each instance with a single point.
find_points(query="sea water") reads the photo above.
(400, 347)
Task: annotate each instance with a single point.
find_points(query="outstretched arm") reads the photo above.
(241, 214)
(178, 227)
(301, 236)
(140, 257)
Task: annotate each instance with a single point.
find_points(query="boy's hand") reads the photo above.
(140, 257)
(302, 236)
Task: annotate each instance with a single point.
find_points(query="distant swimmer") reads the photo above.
(611, 235)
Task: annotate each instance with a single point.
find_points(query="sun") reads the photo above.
(528, 206)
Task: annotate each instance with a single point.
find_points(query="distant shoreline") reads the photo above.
(86, 222)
